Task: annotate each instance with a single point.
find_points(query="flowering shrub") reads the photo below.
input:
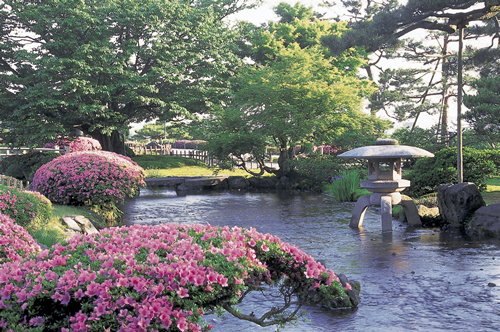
(328, 149)
(89, 178)
(153, 278)
(29, 209)
(78, 144)
(15, 241)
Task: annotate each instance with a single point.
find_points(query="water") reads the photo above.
(414, 279)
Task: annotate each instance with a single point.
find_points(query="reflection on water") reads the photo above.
(411, 280)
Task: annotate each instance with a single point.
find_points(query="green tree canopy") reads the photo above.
(161, 130)
(101, 65)
(382, 23)
(484, 109)
(293, 93)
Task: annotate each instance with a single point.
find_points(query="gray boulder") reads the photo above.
(79, 225)
(428, 214)
(486, 220)
(457, 203)
(237, 182)
(264, 182)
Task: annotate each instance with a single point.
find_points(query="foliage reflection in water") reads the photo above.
(413, 279)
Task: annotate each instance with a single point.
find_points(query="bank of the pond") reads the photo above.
(411, 279)
(224, 182)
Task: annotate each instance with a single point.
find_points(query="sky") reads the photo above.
(265, 13)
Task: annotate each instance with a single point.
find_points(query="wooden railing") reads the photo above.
(163, 150)
(190, 153)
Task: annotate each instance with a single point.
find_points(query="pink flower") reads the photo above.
(182, 292)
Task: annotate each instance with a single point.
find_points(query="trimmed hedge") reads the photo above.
(23, 166)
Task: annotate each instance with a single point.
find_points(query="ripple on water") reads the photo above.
(412, 280)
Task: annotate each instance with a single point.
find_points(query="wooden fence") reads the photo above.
(163, 150)
(202, 155)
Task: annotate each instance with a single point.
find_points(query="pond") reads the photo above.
(413, 279)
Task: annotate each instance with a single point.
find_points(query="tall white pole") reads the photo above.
(460, 172)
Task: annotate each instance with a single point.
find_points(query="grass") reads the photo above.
(165, 166)
(492, 193)
(53, 232)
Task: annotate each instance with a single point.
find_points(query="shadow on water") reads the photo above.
(412, 279)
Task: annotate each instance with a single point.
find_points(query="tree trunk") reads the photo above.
(285, 154)
(114, 142)
(445, 96)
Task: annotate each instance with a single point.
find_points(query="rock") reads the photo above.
(264, 182)
(86, 225)
(283, 183)
(78, 225)
(237, 182)
(457, 203)
(182, 187)
(486, 220)
(71, 223)
(428, 214)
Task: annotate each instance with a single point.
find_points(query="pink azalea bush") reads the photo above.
(152, 278)
(81, 143)
(15, 242)
(89, 178)
(29, 209)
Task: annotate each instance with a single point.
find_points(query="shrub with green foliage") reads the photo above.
(314, 171)
(23, 166)
(15, 242)
(29, 209)
(428, 173)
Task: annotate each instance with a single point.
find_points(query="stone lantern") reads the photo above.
(384, 179)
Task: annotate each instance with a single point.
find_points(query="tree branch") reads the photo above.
(262, 320)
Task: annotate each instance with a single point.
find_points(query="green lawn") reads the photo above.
(165, 166)
(53, 232)
(492, 194)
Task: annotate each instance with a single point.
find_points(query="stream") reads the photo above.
(413, 279)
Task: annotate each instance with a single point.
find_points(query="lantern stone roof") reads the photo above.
(388, 149)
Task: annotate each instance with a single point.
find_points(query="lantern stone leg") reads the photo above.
(359, 211)
(410, 210)
(358, 214)
(386, 211)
